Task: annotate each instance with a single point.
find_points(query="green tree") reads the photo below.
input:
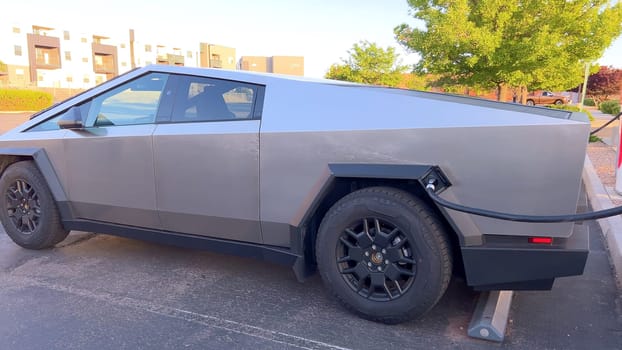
(527, 44)
(369, 64)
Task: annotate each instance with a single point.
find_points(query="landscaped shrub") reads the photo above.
(610, 107)
(572, 109)
(589, 102)
(24, 100)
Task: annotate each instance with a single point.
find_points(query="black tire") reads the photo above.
(530, 103)
(28, 211)
(354, 261)
(559, 102)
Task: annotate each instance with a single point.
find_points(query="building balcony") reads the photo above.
(176, 60)
(104, 59)
(104, 69)
(162, 58)
(43, 51)
(171, 59)
(103, 49)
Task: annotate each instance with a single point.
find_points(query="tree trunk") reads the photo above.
(523, 95)
(499, 86)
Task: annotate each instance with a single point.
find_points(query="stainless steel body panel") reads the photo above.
(504, 159)
(110, 172)
(51, 141)
(207, 178)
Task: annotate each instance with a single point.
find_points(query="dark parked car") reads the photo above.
(306, 173)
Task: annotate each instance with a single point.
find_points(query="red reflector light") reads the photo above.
(541, 240)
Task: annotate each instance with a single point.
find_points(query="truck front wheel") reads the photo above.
(384, 254)
(27, 209)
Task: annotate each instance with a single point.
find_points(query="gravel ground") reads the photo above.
(603, 153)
(603, 158)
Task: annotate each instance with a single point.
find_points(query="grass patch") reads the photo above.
(610, 107)
(594, 138)
(24, 100)
(572, 109)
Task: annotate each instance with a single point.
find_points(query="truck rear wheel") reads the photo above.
(27, 209)
(384, 254)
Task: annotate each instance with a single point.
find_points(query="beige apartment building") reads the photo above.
(217, 56)
(291, 65)
(57, 57)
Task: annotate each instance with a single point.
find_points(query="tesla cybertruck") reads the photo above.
(315, 174)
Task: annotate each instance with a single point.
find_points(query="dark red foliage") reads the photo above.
(605, 83)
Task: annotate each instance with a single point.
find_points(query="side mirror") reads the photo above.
(72, 119)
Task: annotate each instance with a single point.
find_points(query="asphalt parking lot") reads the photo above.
(104, 292)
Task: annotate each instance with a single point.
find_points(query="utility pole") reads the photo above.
(585, 76)
(132, 57)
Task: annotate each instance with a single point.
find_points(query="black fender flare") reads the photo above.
(43, 163)
(416, 172)
(301, 242)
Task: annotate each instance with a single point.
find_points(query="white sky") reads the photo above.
(322, 30)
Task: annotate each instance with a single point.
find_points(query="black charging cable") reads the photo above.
(606, 124)
(431, 187)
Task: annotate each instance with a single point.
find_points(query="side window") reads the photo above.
(51, 124)
(135, 102)
(204, 99)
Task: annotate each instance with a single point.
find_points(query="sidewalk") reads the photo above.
(599, 178)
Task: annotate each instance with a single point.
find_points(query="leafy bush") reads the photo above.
(610, 107)
(589, 102)
(572, 109)
(24, 100)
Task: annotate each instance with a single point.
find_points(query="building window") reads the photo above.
(122, 46)
(66, 35)
(85, 59)
(189, 54)
(67, 55)
(69, 79)
(147, 63)
(86, 79)
(147, 48)
(40, 77)
(16, 30)
(18, 50)
(123, 64)
(83, 40)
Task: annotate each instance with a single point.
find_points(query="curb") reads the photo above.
(611, 226)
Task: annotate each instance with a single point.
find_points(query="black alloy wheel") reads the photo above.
(28, 210)
(384, 254)
(23, 206)
(376, 259)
